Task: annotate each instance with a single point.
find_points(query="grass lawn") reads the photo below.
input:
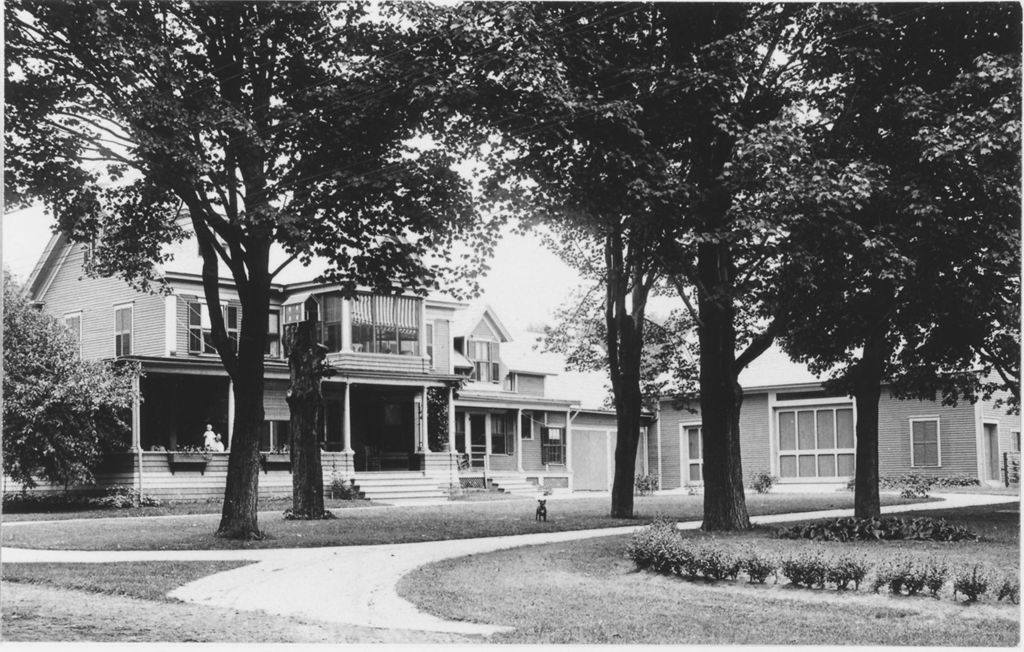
(587, 592)
(168, 509)
(458, 520)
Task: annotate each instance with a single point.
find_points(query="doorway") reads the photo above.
(477, 440)
(992, 451)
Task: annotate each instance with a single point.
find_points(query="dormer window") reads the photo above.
(485, 361)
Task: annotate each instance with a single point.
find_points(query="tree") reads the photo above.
(621, 124)
(60, 413)
(915, 284)
(301, 125)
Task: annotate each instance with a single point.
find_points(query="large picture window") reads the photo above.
(816, 442)
(386, 325)
(924, 445)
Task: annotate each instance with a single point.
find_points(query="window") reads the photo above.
(73, 322)
(526, 426)
(274, 436)
(924, 442)
(273, 346)
(503, 434)
(694, 443)
(816, 442)
(123, 330)
(387, 325)
(330, 328)
(485, 361)
(552, 446)
(430, 342)
(200, 327)
(1015, 441)
(510, 382)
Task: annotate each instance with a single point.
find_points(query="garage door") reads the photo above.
(590, 460)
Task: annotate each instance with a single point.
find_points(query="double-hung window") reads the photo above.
(694, 443)
(485, 361)
(273, 346)
(73, 322)
(200, 327)
(924, 442)
(552, 445)
(430, 342)
(122, 330)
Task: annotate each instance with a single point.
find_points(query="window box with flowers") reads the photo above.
(278, 458)
(189, 456)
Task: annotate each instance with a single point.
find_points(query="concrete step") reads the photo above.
(514, 485)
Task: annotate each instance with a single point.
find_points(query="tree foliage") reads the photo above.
(315, 127)
(60, 413)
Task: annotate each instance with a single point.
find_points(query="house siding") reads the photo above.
(359, 362)
(530, 384)
(72, 291)
(957, 437)
(1007, 422)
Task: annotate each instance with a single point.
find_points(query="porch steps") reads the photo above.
(404, 486)
(514, 484)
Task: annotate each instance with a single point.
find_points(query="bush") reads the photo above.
(1009, 588)
(918, 489)
(935, 577)
(757, 567)
(972, 583)
(886, 528)
(714, 563)
(646, 484)
(123, 498)
(958, 480)
(807, 569)
(846, 570)
(655, 547)
(344, 489)
(762, 482)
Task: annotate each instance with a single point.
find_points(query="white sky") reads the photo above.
(525, 284)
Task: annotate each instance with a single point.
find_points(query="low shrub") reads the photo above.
(757, 567)
(972, 583)
(1009, 588)
(762, 482)
(935, 577)
(886, 528)
(958, 480)
(714, 563)
(113, 498)
(655, 547)
(344, 489)
(916, 489)
(807, 569)
(123, 498)
(846, 570)
(645, 485)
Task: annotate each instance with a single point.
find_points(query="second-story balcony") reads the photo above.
(368, 332)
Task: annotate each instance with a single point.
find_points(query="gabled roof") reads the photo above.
(47, 264)
(467, 320)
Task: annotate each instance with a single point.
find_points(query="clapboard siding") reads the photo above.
(531, 453)
(72, 291)
(530, 384)
(957, 437)
(1008, 423)
(670, 422)
(503, 462)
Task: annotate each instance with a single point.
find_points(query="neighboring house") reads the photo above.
(794, 430)
(390, 355)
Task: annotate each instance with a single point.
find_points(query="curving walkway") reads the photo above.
(356, 585)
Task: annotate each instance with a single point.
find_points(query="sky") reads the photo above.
(525, 284)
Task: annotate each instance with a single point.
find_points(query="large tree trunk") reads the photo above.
(867, 392)
(721, 397)
(305, 399)
(241, 493)
(628, 407)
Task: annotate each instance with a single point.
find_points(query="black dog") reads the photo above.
(542, 511)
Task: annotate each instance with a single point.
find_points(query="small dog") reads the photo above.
(542, 511)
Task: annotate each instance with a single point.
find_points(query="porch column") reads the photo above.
(136, 414)
(424, 431)
(346, 421)
(451, 419)
(568, 441)
(466, 445)
(519, 439)
(231, 413)
(346, 325)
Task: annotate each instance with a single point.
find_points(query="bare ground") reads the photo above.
(40, 613)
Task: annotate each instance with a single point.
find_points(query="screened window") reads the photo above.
(386, 325)
(816, 442)
(123, 331)
(502, 434)
(1015, 440)
(924, 442)
(274, 436)
(430, 342)
(552, 449)
(330, 327)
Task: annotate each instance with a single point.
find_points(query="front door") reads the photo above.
(477, 440)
